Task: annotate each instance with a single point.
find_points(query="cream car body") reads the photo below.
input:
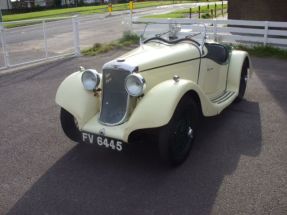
(170, 71)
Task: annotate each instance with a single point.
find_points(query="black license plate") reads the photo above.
(102, 141)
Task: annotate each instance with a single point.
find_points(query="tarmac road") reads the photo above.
(238, 164)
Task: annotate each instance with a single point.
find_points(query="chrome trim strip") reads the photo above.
(223, 100)
(157, 67)
(115, 64)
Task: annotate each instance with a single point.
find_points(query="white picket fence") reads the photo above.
(234, 31)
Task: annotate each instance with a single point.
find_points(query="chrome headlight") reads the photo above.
(91, 79)
(135, 85)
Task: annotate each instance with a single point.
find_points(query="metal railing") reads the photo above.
(31, 41)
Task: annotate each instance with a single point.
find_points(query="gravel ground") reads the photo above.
(238, 164)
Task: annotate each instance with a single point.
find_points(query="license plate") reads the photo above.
(106, 142)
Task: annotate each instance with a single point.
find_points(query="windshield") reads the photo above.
(174, 31)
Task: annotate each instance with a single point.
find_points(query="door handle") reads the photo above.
(209, 69)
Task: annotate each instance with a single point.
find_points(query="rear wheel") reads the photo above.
(176, 138)
(69, 125)
(243, 81)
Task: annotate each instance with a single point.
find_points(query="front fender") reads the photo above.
(235, 66)
(156, 108)
(72, 96)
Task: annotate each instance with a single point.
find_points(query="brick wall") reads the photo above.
(268, 10)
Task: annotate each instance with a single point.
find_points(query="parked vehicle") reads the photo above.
(167, 83)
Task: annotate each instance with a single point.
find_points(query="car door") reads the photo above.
(213, 70)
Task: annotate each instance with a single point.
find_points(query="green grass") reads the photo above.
(52, 13)
(185, 13)
(264, 51)
(127, 40)
(175, 14)
(83, 10)
(209, 13)
(206, 16)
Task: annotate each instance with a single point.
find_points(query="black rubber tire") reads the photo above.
(243, 81)
(174, 142)
(69, 125)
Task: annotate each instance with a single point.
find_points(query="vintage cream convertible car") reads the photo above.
(165, 84)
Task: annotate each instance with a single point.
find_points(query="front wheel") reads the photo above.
(176, 138)
(69, 125)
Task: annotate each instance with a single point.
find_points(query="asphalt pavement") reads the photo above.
(238, 164)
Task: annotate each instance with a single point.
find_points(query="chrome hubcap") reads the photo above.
(245, 78)
(190, 132)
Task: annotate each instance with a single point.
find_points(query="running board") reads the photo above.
(222, 98)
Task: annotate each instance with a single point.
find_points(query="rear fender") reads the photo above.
(235, 66)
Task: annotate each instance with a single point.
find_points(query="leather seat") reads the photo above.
(217, 52)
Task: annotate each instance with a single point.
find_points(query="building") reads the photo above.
(68, 2)
(76, 2)
(91, 1)
(5, 4)
(22, 3)
(264, 10)
(44, 3)
(32, 3)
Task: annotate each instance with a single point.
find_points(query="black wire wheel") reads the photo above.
(70, 125)
(177, 137)
(243, 81)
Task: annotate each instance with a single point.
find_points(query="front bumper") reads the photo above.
(120, 132)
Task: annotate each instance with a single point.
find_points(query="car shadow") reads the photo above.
(91, 181)
(13, 78)
(272, 73)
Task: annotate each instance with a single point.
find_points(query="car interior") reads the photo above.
(217, 52)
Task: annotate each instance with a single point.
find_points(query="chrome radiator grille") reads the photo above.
(115, 98)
